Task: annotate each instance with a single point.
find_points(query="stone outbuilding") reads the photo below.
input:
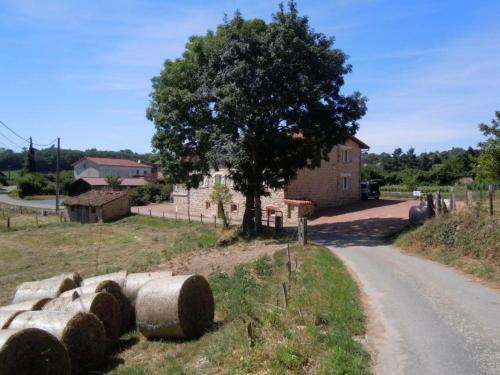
(98, 206)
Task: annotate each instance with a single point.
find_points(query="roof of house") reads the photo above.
(361, 144)
(113, 162)
(101, 181)
(95, 198)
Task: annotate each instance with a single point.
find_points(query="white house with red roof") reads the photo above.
(91, 167)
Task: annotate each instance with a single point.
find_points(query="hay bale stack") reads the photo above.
(118, 277)
(115, 290)
(82, 334)
(176, 306)
(48, 288)
(102, 304)
(32, 351)
(7, 316)
(31, 305)
(135, 281)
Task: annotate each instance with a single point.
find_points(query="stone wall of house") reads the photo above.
(116, 209)
(325, 185)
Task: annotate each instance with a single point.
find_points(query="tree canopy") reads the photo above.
(260, 99)
(488, 162)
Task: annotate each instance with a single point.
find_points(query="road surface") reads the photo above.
(424, 318)
(41, 204)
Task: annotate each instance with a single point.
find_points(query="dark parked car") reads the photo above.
(370, 190)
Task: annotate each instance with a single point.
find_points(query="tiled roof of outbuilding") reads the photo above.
(95, 198)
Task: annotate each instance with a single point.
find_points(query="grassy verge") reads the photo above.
(468, 241)
(257, 333)
(137, 243)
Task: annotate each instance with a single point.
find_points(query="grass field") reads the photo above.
(137, 243)
(254, 333)
(257, 333)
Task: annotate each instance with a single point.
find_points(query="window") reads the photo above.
(234, 207)
(205, 182)
(93, 210)
(207, 205)
(291, 211)
(217, 179)
(346, 183)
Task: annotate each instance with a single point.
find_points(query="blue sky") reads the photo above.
(81, 69)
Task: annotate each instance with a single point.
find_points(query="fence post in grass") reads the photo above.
(285, 292)
(163, 214)
(215, 221)
(439, 206)
(60, 217)
(452, 200)
(150, 213)
(289, 262)
(430, 206)
(490, 198)
(8, 222)
(302, 232)
(36, 220)
(201, 218)
(469, 199)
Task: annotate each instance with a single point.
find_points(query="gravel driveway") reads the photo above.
(41, 203)
(424, 318)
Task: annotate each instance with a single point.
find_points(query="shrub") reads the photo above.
(33, 184)
(151, 192)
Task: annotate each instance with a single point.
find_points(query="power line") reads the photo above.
(13, 132)
(11, 141)
(26, 139)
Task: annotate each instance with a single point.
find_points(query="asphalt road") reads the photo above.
(426, 318)
(42, 203)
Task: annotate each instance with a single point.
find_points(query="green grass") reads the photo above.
(466, 240)
(136, 243)
(258, 334)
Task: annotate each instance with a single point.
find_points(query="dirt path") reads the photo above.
(221, 260)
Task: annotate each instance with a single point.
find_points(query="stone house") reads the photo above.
(336, 182)
(97, 206)
(105, 167)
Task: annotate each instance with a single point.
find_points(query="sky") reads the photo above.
(81, 70)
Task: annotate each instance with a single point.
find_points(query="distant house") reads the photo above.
(336, 182)
(84, 184)
(105, 167)
(98, 206)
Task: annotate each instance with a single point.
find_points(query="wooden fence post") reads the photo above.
(215, 221)
(150, 213)
(285, 292)
(490, 198)
(289, 262)
(439, 206)
(8, 222)
(36, 219)
(302, 231)
(201, 218)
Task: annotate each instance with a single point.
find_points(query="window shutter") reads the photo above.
(338, 155)
(350, 156)
(338, 183)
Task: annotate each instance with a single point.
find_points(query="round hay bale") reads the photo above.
(82, 334)
(48, 288)
(102, 304)
(135, 281)
(6, 316)
(31, 305)
(32, 351)
(417, 214)
(177, 306)
(115, 290)
(118, 277)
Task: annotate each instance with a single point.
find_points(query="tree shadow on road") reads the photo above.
(355, 207)
(364, 232)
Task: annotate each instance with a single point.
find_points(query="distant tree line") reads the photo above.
(45, 159)
(438, 167)
(428, 168)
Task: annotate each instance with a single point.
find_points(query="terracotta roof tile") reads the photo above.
(128, 181)
(113, 162)
(299, 202)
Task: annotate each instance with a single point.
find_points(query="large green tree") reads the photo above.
(488, 162)
(261, 99)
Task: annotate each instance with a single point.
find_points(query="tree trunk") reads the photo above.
(248, 216)
(222, 214)
(258, 212)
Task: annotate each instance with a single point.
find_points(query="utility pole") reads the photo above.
(57, 172)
